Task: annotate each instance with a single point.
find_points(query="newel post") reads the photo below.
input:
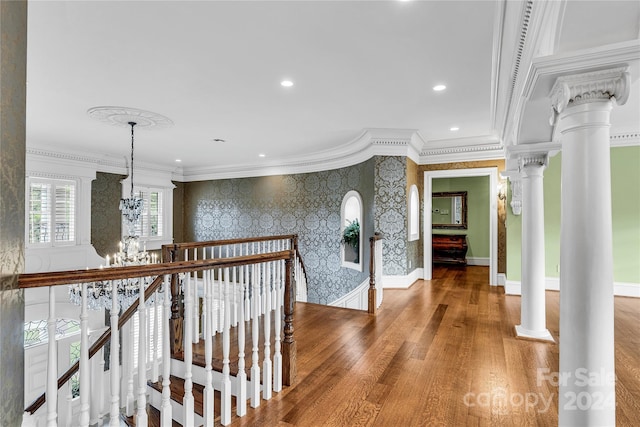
(175, 322)
(289, 370)
(372, 276)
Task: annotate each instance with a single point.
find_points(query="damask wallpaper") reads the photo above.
(304, 204)
(391, 212)
(13, 61)
(106, 192)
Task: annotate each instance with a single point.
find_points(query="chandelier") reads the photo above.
(131, 208)
(130, 252)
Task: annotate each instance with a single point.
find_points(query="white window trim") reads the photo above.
(53, 181)
(414, 234)
(359, 266)
(148, 181)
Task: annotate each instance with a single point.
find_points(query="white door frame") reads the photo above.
(492, 173)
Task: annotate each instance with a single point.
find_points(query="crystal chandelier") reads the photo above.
(129, 252)
(131, 208)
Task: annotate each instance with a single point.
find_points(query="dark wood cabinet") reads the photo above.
(449, 248)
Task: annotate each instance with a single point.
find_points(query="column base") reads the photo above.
(542, 335)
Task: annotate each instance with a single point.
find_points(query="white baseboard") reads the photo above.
(620, 289)
(502, 279)
(357, 299)
(479, 261)
(402, 282)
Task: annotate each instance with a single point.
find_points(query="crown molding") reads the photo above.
(370, 142)
(626, 139)
(41, 159)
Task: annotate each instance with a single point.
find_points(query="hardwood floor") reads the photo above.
(442, 353)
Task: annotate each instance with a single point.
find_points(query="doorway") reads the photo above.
(492, 173)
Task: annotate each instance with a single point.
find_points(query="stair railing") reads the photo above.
(280, 264)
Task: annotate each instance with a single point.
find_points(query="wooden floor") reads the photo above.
(442, 353)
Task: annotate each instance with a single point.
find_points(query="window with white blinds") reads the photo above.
(150, 224)
(52, 211)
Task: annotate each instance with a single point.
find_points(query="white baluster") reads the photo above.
(234, 287)
(142, 359)
(267, 368)
(166, 414)
(196, 303)
(221, 306)
(277, 353)
(247, 301)
(255, 332)
(157, 320)
(97, 387)
(225, 388)
(208, 351)
(84, 360)
(241, 379)
(114, 362)
(69, 409)
(187, 401)
(130, 398)
(52, 364)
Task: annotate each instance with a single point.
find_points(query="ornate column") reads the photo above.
(532, 302)
(582, 105)
(13, 62)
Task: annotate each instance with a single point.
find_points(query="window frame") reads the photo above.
(348, 264)
(53, 183)
(413, 214)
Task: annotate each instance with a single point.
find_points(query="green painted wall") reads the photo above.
(477, 188)
(625, 201)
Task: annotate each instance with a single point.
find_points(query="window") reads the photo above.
(414, 213)
(52, 211)
(150, 225)
(351, 230)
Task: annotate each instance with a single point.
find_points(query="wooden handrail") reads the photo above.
(192, 245)
(36, 280)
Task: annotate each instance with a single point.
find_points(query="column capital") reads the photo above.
(588, 87)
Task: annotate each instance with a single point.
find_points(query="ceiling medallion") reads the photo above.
(122, 116)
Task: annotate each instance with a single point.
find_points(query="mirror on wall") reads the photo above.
(449, 210)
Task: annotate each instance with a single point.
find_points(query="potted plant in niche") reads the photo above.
(351, 238)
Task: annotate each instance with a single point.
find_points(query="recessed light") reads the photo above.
(286, 83)
(454, 128)
(262, 155)
(178, 160)
(439, 88)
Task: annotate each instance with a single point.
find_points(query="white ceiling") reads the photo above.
(214, 68)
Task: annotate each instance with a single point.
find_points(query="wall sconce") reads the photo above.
(502, 193)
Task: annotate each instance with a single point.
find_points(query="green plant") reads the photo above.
(351, 234)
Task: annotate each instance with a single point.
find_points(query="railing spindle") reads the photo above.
(157, 320)
(114, 359)
(84, 360)
(255, 331)
(129, 371)
(241, 379)
(166, 414)
(196, 303)
(141, 419)
(277, 355)
(52, 363)
(187, 401)
(225, 388)
(267, 372)
(208, 351)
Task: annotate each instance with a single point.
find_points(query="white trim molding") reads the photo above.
(492, 173)
(620, 289)
(402, 282)
(356, 299)
(484, 261)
